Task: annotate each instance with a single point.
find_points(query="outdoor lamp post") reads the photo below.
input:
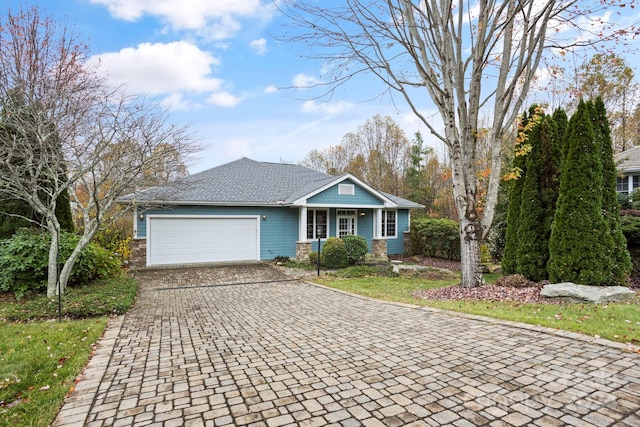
(319, 233)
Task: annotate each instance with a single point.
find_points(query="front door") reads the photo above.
(346, 222)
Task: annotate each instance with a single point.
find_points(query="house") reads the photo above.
(628, 165)
(248, 211)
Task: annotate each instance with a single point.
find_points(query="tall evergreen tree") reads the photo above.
(621, 260)
(538, 201)
(509, 260)
(580, 247)
(560, 118)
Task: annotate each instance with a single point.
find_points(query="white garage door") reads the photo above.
(188, 240)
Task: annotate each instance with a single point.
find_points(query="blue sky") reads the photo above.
(218, 65)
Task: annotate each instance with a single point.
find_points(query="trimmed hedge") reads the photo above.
(434, 237)
(334, 253)
(357, 248)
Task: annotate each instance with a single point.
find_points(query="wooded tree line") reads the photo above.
(563, 221)
(380, 153)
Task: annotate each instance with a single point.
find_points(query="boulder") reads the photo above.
(582, 293)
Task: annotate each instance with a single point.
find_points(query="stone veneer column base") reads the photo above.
(303, 250)
(138, 253)
(379, 249)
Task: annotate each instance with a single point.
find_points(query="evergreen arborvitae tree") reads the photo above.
(538, 200)
(509, 260)
(560, 118)
(621, 260)
(580, 246)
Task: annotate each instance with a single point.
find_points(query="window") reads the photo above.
(388, 224)
(622, 184)
(636, 182)
(346, 189)
(317, 219)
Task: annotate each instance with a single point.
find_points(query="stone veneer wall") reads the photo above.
(138, 253)
(303, 250)
(379, 249)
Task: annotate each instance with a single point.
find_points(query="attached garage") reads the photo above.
(202, 239)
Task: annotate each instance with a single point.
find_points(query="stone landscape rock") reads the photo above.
(581, 293)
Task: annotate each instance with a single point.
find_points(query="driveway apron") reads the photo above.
(248, 345)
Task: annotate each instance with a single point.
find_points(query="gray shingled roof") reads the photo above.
(245, 182)
(628, 161)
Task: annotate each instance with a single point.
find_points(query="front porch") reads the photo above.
(318, 223)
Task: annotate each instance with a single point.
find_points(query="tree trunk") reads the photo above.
(54, 249)
(85, 239)
(471, 263)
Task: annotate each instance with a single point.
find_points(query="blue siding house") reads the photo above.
(248, 211)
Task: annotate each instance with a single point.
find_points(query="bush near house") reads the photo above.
(24, 262)
(435, 237)
(334, 253)
(357, 248)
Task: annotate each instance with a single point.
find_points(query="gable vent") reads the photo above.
(346, 189)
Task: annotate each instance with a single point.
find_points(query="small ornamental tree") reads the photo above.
(621, 260)
(580, 247)
(538, 200)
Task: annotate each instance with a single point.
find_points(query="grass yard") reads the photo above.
(614, 321)
(41, 358)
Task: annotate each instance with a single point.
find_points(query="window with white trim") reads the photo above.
(317, 223)
(622, 184)
(388, 226)
(346, 189)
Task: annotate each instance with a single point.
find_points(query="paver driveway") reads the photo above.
(250, 346)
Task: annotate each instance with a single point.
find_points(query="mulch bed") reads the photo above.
(527, 295)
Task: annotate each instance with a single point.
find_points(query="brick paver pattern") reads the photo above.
(236, 346)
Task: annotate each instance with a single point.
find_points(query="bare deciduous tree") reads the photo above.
(63, 117)
(469, 58)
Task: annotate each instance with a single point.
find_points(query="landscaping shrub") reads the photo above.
(116, 238)
(334, 253)
(630, 226)
(313, 258)
(435, 238)
(357, 248)
(24, 262)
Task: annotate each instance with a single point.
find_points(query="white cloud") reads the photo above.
(160, 68)
(175, 102)
(271, 89)
(183, 14)
(329, 108)
(303, 81)
(259, 45)
(224, 99)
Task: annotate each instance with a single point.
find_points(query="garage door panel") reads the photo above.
(199, 240)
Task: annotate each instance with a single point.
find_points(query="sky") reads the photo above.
(222, 67)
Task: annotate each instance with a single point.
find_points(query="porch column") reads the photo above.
(377, 219)
(302, 221)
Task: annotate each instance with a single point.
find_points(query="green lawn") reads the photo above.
(614, 321)
(40, 359)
